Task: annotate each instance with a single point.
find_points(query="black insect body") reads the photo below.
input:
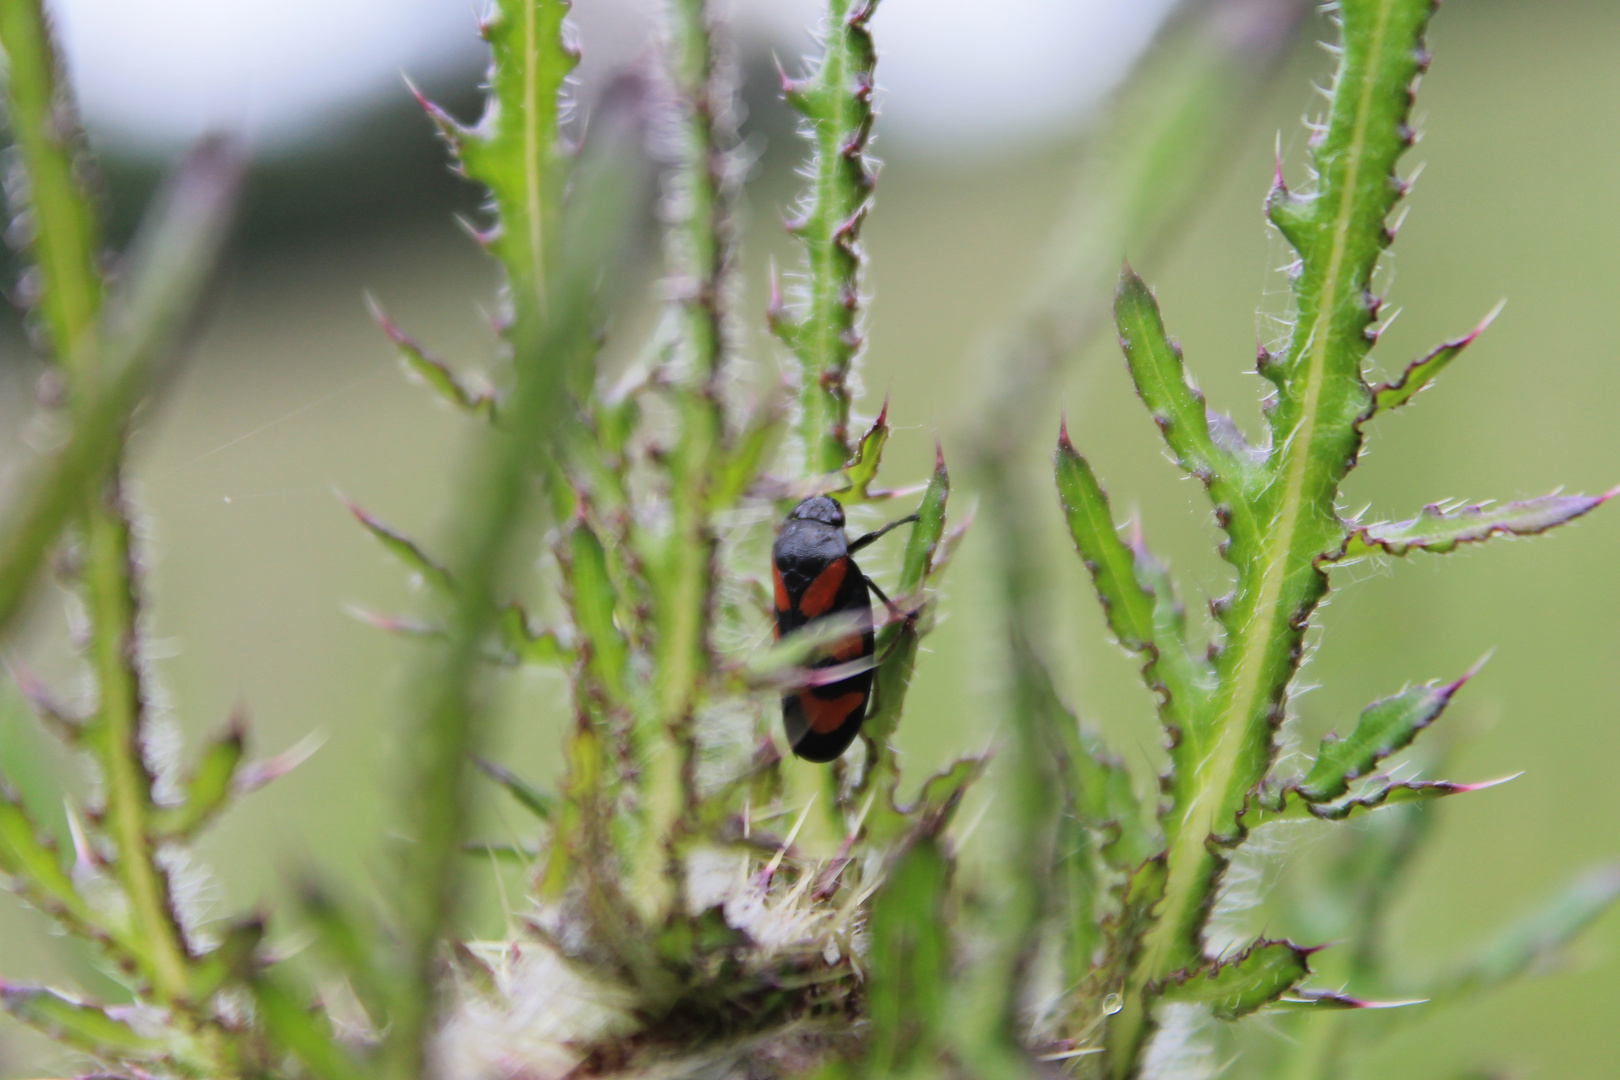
(815, 577)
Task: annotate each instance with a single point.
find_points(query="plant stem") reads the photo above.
(700, 257)
(65, 247)
(449, 709)
(837, 102)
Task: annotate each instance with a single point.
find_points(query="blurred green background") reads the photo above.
(293, 397)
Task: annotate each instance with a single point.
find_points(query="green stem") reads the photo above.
(837, 101)
(64, 244)
(65, 248)
(449, 711)
(700, 256)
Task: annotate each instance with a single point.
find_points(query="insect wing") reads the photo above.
(822, 721)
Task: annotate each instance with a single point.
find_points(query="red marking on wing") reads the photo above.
(818, 598)
(850, 648)
(826, 715)
(782, 602)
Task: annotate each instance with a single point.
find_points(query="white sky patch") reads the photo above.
(953, 73)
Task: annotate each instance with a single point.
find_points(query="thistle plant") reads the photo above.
(695, 902)
(1278, 504)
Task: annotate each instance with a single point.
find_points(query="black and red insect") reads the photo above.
(816, 577)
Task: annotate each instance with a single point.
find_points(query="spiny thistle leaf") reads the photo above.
(930, 811)
(863, 467)
(1317, 1001)
(1410, 791)
(515, 151)
(342, 937)
(1339, 231)
(255, 774)
(37, 872)
(1176, 405)
(51, 712)
(1107, 801)
(787, 657)
(434, 372)
(527, 795)
(1422, 371)
(207, 789)
(593, 601)
(1146, 620)
(528, 645)
(1439, 531)
(83, 1026)
(1385, 726)
(1101, 797)
(1261, 974)
(446, 712)
(897, 643)
(836, 101)
(406, 550)
(1126, 603)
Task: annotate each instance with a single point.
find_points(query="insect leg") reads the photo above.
(895, 610)
(860, 542)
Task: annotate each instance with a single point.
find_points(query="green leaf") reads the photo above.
(933, 808)
(1537, 940)
(1410, 791)
(1107, 801)
(528, 645)
(515, 152)
(1136, 598)
(593, 601)
(502, 853)
(82, 1026)
(1175, 404)
(34, 864)
(405, 550)
(1126, 603)
(1261, 974)
(299, 1031)
(897, 644)
(1387, 725)
(528, 796)
(1422, 371)
(863, 467)
(909, 960)
(784, 663)
(434, 372)
(1438, 530)
(446, 710)
(208, 788)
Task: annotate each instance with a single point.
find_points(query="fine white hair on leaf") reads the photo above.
(1237, 916)
(1184, 1046)
(194, 892)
